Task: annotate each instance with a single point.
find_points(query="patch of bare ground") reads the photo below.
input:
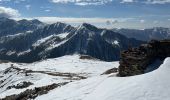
(87, 57)
(33, 93)
(3, 61)
(71, 76)
(110, 71)
(20, 85)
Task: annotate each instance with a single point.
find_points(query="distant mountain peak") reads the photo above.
(36, 21)
(158, 33)
(4, 19)
(59, 24)
(88, 26)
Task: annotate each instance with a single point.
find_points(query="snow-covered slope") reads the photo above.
(72, 64)
(151, 86)
(47, 72)
(154, 85)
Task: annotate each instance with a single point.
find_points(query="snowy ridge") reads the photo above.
(42, 40)
(24, 52)
(151, 86)
(62, 35)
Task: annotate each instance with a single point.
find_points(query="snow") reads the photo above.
(116, 42)
(15, 35)
(72, 64)
(62, 35)
(24, 52)
(54, 45)
(3, 38)
(151, 86)
(154, 85)
(10, 52)
(14, 77)
(29, 31)
(65, 64)
(3, 66)
(42, 40)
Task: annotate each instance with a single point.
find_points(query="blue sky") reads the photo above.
(105, 13)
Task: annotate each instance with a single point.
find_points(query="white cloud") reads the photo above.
(101, 2)
(28, 7)
(157, 1)
(83, 2)
(127, 1)
(142, 21)
(78, 20)
(108, 22)
(155, 22)
(147, 1)
(81, 20)
(15, 1)
(112, 22)
(132, 22)
(99, 22)
(8, 12)
(47, 10)
(4, 0)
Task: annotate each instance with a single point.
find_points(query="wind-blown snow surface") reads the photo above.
(72, 64)
(65, 64)
(151, 86)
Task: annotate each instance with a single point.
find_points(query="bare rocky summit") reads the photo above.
(134, 61)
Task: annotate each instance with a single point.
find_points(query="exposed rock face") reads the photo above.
(21, 85)
(30, 94)
(110, 71)
(135, 60)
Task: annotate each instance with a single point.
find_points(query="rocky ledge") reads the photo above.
(31, 94)
(134, 61)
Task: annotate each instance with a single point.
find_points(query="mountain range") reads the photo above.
(32, 40)
(156, 33)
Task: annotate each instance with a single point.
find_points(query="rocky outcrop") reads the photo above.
(110, 71)
(20, 85)
(134, 61)
(30, 94)
(71, 76)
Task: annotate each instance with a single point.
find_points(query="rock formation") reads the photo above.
(134, 61)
